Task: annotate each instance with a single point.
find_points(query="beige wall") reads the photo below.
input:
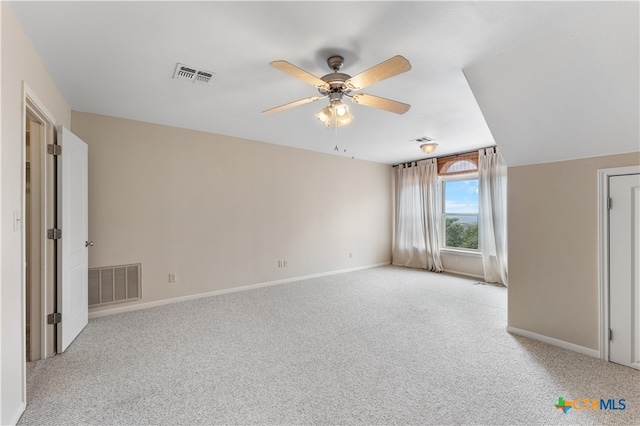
(553, 260)
(221, 211)
(463, 264)
(20, 63)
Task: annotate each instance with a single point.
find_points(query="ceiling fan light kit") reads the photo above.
(336, 114)
(337, 85)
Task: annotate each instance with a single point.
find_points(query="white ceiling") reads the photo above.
(118, 59)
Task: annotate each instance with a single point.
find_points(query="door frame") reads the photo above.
(33, 106)
(32, 220)
(603, 252)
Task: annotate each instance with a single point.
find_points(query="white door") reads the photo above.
(73, 260)
(624, 270)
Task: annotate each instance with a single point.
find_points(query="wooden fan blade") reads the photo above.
(394, 66)
(381, 103)
(299, 73)
(293, 104)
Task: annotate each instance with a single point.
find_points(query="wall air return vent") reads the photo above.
(194, 75)
(114, 284)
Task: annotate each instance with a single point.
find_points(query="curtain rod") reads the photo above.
(459, 154)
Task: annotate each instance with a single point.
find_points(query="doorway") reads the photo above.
(39, 215)
(619, 235)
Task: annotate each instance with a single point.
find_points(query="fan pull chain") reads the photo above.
(335, 126)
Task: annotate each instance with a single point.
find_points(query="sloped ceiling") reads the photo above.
(573, 93)
(545, 74)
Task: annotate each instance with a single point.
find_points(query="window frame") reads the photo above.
(443, 214)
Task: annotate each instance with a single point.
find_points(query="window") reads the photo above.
(460, 211)
(460, 206)
(458, 164)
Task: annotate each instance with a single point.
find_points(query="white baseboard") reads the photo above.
(464, 274)
(555, 342)
(138, 306)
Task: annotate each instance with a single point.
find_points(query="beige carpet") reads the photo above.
(381, 346)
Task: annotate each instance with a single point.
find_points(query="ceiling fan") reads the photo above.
(337, 85)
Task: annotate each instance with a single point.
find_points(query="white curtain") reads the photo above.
(416, 242)
(492, 188)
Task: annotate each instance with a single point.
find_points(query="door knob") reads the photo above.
(88, 243)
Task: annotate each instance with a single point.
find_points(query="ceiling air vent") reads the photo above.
(201, 77)
(422, 139)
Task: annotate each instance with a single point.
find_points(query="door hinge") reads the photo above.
(54, 149)
(54, 234)
(610, 335)
(54, 318)
(609, 202)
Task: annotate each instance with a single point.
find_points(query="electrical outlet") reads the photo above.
(284, 264)
(172, 277)
(350, 255)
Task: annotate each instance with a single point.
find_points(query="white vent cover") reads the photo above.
(421, 139)
(197, 76)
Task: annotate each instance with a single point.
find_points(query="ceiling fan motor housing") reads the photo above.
(336, 82)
